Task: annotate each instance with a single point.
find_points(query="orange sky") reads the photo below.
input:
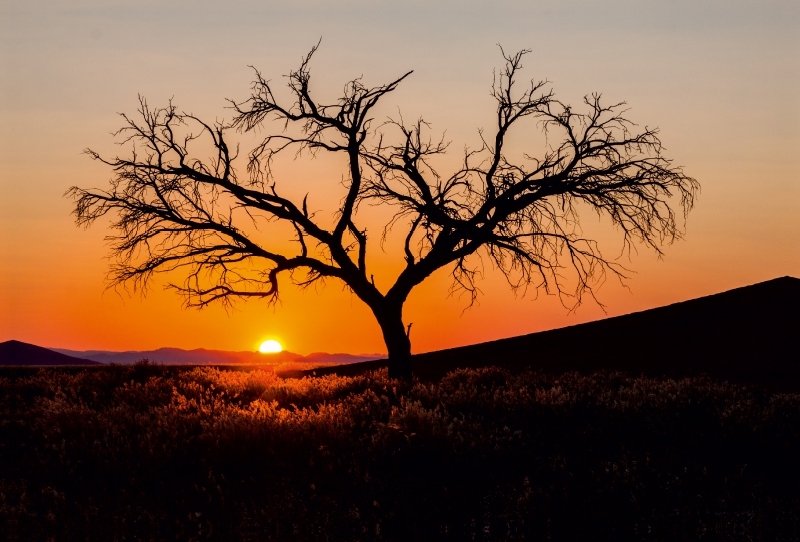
(720, 79)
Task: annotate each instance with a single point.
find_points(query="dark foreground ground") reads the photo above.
(154, 453)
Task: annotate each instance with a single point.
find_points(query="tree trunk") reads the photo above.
(397, 342)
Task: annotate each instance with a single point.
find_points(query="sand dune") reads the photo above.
(750, 334)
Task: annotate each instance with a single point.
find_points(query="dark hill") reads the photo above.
(19, 353)
(749, 334)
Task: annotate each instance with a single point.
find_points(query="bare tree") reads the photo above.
(175, 211)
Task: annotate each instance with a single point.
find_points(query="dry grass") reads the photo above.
(157, 453)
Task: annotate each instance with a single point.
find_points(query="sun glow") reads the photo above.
(270, 347)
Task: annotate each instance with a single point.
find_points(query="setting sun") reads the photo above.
(270, 347)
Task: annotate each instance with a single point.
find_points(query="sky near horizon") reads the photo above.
(721, 79)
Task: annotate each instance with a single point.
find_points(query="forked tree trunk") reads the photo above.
(397, 341)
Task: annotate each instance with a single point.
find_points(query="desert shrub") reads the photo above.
(151, 453)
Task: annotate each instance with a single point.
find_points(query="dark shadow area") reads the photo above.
(149, 452)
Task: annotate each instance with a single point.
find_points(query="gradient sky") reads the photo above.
(720, 78)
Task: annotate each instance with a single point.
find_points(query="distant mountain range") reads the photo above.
(201, 356)
(749, 334)
(19, 353)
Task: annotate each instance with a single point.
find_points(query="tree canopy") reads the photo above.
(174, 210)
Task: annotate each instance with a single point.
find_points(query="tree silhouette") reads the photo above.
(174, 211)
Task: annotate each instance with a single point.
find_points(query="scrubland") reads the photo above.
(167, 453)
